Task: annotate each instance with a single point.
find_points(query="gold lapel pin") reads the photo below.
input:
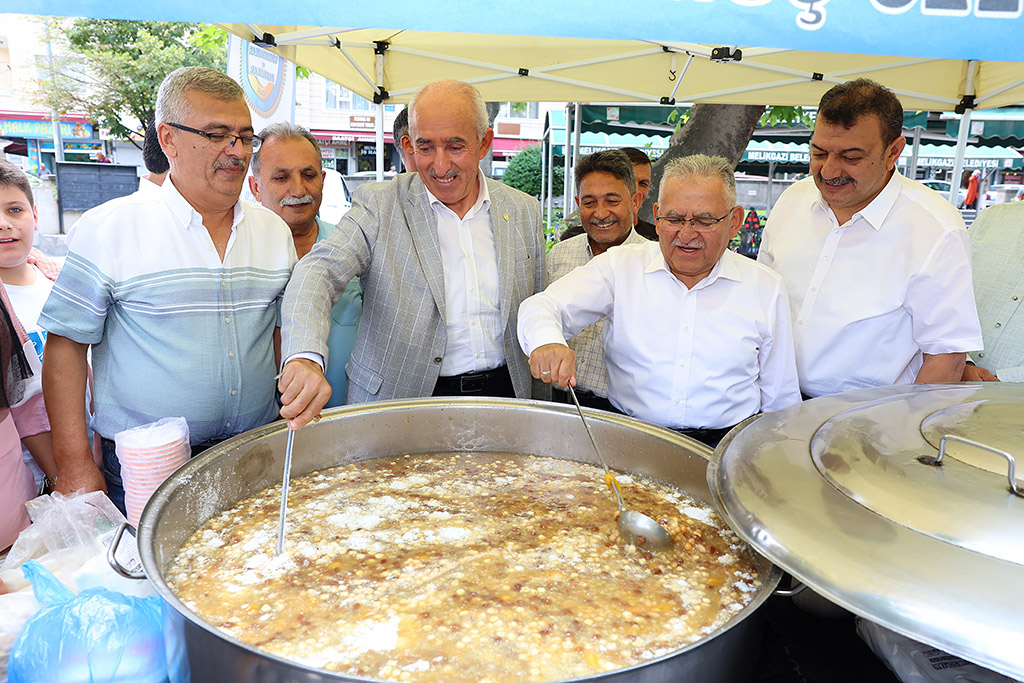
(506, 216)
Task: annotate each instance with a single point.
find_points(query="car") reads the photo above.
(942, 187)
(337, 197)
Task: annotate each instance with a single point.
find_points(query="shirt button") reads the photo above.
(686, 328)
(234, 392)
(223, 283)
(227, 424)
(1015, 297)
(227, 318)
(799, 322)
(981, 355)
(437, 359)
(231, 354)
(999, 324)
(814, 289)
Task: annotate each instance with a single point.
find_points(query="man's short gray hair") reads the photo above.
(480, 119)
(701, 166)
(282, 131)
(171, 105)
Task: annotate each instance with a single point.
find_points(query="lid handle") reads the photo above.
(1011, 470)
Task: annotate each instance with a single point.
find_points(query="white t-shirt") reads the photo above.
(28, 303)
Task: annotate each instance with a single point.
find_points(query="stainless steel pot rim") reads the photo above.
(182, 477)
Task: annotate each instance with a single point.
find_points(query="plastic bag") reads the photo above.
(69, 535)
(97, 636)
(915, 662)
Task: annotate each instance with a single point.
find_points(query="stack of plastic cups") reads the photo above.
(148, 455)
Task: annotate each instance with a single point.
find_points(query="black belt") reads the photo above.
(496, 382)
(709, 437)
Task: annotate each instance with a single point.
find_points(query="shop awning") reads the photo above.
(930, 156)
(1003, 126)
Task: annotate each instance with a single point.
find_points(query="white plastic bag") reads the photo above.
(915, 662)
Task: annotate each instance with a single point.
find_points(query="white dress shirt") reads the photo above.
(871, 296)
(706, 357)
(471, 297)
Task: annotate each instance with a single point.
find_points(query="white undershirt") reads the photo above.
(472, 300)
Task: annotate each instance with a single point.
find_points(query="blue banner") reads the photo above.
(950, 29)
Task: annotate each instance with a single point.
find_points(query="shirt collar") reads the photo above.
(727, 268)
(185, 214)
(879, 207)
(632, 237)
(483, 198)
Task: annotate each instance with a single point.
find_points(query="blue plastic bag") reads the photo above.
(97, 636)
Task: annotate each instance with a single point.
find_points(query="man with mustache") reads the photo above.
(444, 255)
(288, 178)
(177, 292)
(877, 266)
(608, 198)
(698, 338)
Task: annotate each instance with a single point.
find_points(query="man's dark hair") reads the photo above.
(845, 103)
(401, 126)
(612, 161)
(152, 156)
(11, 175)
(636, 156)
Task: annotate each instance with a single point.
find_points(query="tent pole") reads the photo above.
(576, 125)
(912, 168)
(543, 167)
(965, 108)
(380, 115)
(771, 178)
(549, 182)
(567, 155)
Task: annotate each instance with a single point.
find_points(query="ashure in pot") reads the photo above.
(251, 463)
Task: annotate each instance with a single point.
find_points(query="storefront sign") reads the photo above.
(362, 122)
(778, 157)
(25, 128)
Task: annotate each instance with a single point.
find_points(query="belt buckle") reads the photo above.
(472, 383)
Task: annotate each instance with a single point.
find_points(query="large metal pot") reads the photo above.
(253, 461)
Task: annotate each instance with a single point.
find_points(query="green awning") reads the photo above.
(1003, 126)
(930, 156)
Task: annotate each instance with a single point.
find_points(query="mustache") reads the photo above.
(604, 222)
(230, 162)
(695, 243)
(297, 201)
(450, 174)
(838, 181)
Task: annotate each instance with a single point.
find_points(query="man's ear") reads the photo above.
(254, 187)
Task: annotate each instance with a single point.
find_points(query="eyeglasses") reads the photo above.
(251, 142)
(700, 224)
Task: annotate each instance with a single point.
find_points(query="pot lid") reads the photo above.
(896, 503)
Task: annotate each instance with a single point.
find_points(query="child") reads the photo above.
(27, 289)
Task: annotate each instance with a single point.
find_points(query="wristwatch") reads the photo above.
(49, 484)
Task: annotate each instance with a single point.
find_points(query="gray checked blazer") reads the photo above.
(389, 240)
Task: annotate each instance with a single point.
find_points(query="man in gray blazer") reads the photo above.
(445, 257)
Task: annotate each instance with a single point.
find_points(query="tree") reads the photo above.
(718, 130)
(112, 69)
(524, 172)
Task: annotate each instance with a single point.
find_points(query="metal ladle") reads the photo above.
(634, 527)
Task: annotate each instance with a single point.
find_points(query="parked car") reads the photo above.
(337, 197)
(942, 187)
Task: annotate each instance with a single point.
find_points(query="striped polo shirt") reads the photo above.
(174, 331)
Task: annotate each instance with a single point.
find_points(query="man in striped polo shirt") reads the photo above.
(177, 292)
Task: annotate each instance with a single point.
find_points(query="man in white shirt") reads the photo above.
(444, 255)
(698, 338)
(877, 266)
(608, 197)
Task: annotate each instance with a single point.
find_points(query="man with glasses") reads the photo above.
(698, 338)
(877, 266)
(177, 292)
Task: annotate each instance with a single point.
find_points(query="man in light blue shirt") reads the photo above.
(177, 292)
(287, 178)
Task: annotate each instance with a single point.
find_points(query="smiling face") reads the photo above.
(208, 175)
(17, 227)
(850, 166)
(606, 209)
(691, 255)
(447, 148)
(291, 181)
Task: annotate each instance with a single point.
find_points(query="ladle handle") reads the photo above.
(284, 490)
(614, 483)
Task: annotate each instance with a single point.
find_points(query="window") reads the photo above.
(519, 110)
(338, 97)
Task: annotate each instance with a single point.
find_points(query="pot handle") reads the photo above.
(795, 587)
(115, 564)
(1011, 473)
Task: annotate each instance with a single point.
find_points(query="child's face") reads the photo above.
(17, 226)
